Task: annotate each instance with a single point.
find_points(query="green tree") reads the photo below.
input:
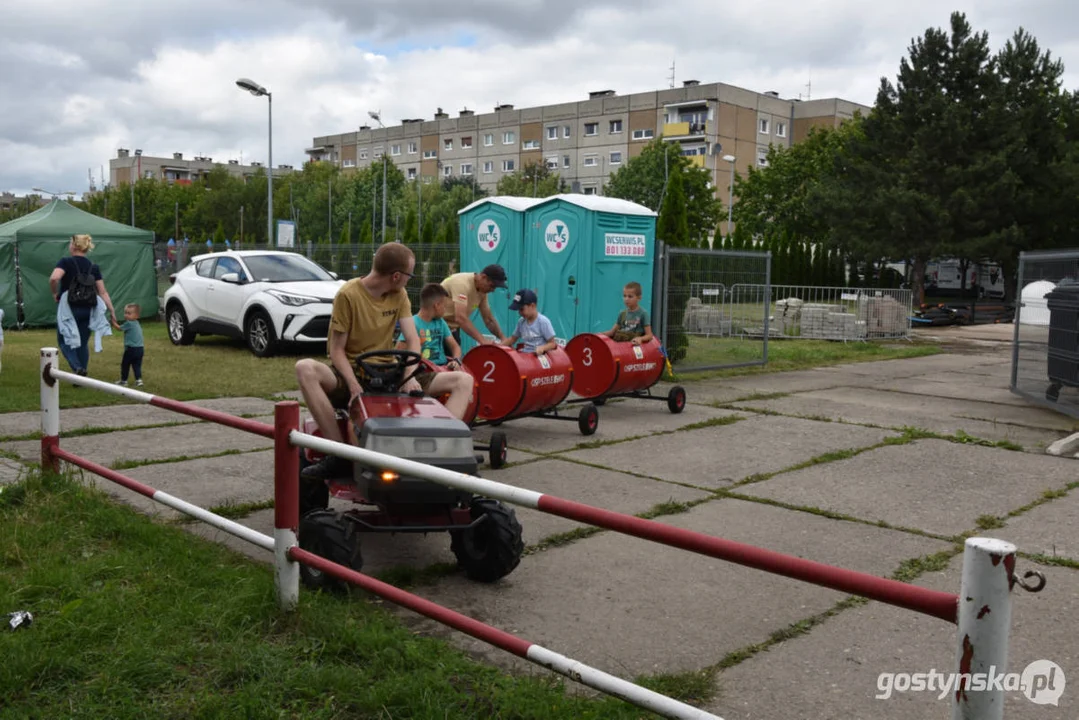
(532, 180)
(428, 233)
(366, 236)
(410, 235)
(673, 224)
(642, 180)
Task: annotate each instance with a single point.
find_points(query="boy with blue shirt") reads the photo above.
(534, 331)
(434, 331)
(133, 345)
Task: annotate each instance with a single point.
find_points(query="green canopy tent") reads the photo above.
(31, 245)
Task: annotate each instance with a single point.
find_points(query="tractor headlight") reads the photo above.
(421, 448)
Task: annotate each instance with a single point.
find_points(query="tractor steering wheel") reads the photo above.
(385, 377)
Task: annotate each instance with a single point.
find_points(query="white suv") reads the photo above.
(265, 297)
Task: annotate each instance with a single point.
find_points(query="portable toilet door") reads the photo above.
(556, 241)
(623, 250)
(492, 232)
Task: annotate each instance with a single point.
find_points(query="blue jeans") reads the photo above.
(78, 358)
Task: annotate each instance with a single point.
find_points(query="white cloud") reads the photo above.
(84, 78)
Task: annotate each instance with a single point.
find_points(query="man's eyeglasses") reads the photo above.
(402, 272)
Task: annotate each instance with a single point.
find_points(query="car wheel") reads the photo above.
(180, 332)
(259, 334)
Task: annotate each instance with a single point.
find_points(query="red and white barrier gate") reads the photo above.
(984, 615)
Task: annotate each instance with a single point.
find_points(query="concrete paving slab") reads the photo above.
(632, 607)
(616, 421)
(151, 444)
(832, 672)
(931, 485)
(602, 488)
(118, 416)
(1051, 529)
(10, 470)
(961, 386)
(896, 410)
(927, 365)
(717, 456)
(735, 388)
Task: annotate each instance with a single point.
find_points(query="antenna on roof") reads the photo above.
(808, 87)
(671, 78)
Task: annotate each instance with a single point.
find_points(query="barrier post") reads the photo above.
(286, 504)
(50, 410)
(985, 615)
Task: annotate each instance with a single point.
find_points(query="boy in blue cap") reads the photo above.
(534, 331)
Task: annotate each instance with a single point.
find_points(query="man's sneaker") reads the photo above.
(81, 372)
(138, 383)
(122, 383)
(330, 466)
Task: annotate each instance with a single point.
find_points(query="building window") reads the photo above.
(616, 158)
(488, 140)
(591, 161)
(447, 170)
(508, 165)
(509, 138)
(764, 126)
(532, 145)
(762, 157)
(591, 129)
(644, 134)
(781, 129)
(488, 167)
(363, 154)
(589, 189)
(447, 144)
(552, 163)
(348, 163)
(552, 132)
(430, 154)
(466, 142)
(412, 173)
(566, 131)
(412, 148)
(466, 169)
(395, 149)
(698, 150)
(565, 161)
(616, 126)
(376, 153)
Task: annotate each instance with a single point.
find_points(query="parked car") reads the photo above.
(265, 297)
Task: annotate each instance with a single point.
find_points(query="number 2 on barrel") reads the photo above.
(587, 362)
(490, 367)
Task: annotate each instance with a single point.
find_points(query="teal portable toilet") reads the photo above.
(492, 232)
(580, 251)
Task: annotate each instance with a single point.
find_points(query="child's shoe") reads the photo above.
(138, 383)
(122, 383)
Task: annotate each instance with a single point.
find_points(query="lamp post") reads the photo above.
(138, 159)
(377, 117)
(257, 90)
(730, 197)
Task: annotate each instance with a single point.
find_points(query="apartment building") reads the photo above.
(127, 166)
(588, 140)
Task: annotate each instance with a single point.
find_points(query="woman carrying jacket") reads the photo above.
(67, 268)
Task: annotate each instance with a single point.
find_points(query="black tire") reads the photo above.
(327, 534)
(179, 328)
(676, 399)
(259, 334)
(314, 494)
(599, 402)
(492, 549)
(1052, 393)
(588, 419)
(497, 452)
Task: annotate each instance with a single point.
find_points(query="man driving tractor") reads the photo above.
(365, 312)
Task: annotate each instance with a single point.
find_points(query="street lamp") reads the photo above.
(730, 197)
(257, 90)
(377, 117)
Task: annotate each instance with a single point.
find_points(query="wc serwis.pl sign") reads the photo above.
(619, 245)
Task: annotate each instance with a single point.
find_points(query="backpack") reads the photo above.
(83, 289)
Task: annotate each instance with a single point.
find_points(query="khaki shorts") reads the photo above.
(339, 396)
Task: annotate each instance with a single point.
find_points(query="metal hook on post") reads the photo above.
(1034, 587)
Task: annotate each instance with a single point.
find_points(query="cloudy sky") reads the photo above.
(80, 78)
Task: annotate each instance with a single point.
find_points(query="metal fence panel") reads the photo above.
(698, 328)
(820, 313)
(1045, 354)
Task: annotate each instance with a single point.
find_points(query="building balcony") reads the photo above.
(697, 160)
(680, 130)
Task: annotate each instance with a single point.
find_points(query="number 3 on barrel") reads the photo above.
(490, 367)
(587, 362)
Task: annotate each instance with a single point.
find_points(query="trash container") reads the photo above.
(1063, 351)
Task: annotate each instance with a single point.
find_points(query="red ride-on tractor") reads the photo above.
(485, 535)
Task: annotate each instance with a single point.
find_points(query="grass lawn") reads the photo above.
(134, 619)
(212, 367)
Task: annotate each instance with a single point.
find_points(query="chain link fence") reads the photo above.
(433, 262)
(1045, 354)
